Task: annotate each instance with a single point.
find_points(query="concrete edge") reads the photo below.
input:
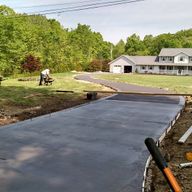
(167, 130)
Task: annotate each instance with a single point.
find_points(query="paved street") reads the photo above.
(98, 147)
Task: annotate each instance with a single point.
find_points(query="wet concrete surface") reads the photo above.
(97, 147)
(148, 98)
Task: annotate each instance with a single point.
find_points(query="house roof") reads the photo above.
(154, 60)
(122, 56)
(144, 60)
(139, 60)
(175, 51)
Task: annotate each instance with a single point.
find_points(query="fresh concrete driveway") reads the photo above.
(97, 147)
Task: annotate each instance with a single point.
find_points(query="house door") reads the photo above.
(127, 69)
(180, 70)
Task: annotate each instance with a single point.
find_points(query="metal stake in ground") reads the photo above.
(162, 165)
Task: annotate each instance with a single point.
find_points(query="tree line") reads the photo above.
(35, 40)
(152, 45)
(30, 43)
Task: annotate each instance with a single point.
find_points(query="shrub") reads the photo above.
(105, 65)
(31, 64)
(95, 65)
(99, 65)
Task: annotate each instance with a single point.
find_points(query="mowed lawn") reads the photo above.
(29, 93)
(176, 84)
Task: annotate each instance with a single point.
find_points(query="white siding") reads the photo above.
(121, 62)
(146, 69)
(185, 58)
(166, 59)
(180, 64)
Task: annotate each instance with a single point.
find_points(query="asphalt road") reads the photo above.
(98, 147)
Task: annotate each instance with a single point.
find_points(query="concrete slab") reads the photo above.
(97, 147)
(148, 98)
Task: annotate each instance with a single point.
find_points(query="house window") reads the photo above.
(143, 67)
(181, 58)
(170, 58)
(169, 67)
(190, 58)
(163, 58)
(190, 68)
(162, 67)
(150, 67)
(117, 65)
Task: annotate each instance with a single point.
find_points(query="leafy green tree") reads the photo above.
(4, 10)
(119, 49)
(148, 42)
(62, 49)
(164, 41)
(134, 45)
(88, 45)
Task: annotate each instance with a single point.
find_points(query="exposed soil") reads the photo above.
(174, 154)
(52, 103)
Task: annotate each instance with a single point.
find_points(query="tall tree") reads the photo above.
(134, 45)
(119, 49)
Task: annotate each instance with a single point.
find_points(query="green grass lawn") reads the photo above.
(177, 84)
(29, 93)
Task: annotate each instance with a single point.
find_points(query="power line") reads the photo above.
(80, 8)
(86, 6)
(52, 5)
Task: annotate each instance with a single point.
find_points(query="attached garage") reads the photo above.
(122, 65)
(176, 61)
(127, 69)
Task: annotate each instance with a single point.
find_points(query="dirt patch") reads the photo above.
(51, 103)
(174, 154)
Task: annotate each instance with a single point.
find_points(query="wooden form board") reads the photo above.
(185, 136)
(142, 93)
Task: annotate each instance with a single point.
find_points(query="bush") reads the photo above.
(99, 65)
(105, 65)
(95, 65)
(31, 64)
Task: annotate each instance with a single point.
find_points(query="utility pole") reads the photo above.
(111, 52)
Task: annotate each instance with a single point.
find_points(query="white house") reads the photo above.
(176, 61)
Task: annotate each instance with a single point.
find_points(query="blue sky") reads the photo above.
(118, 22)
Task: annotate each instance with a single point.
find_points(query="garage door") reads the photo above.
(117, 69)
